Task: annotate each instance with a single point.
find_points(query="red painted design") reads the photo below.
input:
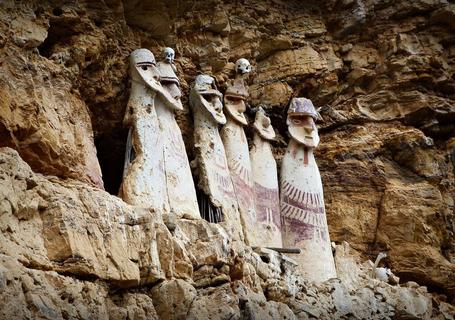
(224, 184)
(267, 205)
(243, 186)
(305, 156)
(176, 149)
(303, 213)
(220, 159)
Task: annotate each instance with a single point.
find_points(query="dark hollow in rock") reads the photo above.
(110, 148)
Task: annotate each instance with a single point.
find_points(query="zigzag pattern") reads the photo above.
(300, 197)
(224, 183)
(240, 170)
(307, 217)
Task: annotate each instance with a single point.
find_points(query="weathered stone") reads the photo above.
(290, 63)
(215, 303)
(274, 94)
(267, 310)
(28, 34)
(48, 295)
(31, 121)
(173, 299)
(390, 184)
(412, 305)
(131, 306)
(206, 244)
(387, 138)
(75, 228)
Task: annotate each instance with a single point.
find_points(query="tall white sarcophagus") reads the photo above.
(303, 218)
(180, 190)
(216, 195)
(144, 182)
(237, 154)
(265, 178)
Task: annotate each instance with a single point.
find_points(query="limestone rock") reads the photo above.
(391, 182)
(131, 306)
(71, 227)
(382, 73)
(173, 299)
(29, 34)
(290, 63)
(215, 303)
(274, 94)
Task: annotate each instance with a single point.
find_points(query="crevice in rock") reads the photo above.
(378, 220)
(110, 148)
(208, 211)
(60, 31)
(82, 277)
(421, 280)
(57, 11)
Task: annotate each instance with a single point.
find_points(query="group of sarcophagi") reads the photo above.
(237, 187)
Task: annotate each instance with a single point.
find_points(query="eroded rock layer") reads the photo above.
(383, 73)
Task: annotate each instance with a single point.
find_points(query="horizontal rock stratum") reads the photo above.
(382, 73)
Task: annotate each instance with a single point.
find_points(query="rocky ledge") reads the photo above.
(72, 251)
(382, 73)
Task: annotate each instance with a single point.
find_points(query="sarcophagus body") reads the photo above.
(217, 199)
(237, 153)
(265, 179)
(180, 190)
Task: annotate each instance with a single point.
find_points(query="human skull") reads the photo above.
(169, 54)
(242, 66)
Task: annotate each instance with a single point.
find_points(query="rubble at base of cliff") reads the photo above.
(78, 252)
(382, 76)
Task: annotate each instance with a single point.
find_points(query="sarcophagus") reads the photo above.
(237, 154)
(144, 182)
(304, 222)
(265, 178)
(180, 190)
(217, 199)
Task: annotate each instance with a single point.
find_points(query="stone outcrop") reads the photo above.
(62, 255)
(382, 73)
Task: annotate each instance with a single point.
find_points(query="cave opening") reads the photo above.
(60, 32)
(423, 280)
(110, 148)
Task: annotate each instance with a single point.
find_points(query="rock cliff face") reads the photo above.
(382, 73)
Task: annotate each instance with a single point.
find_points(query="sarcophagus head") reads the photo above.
(206, 95)
(263, 126)
(143, 67)
(301, 121)
(236, 93)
